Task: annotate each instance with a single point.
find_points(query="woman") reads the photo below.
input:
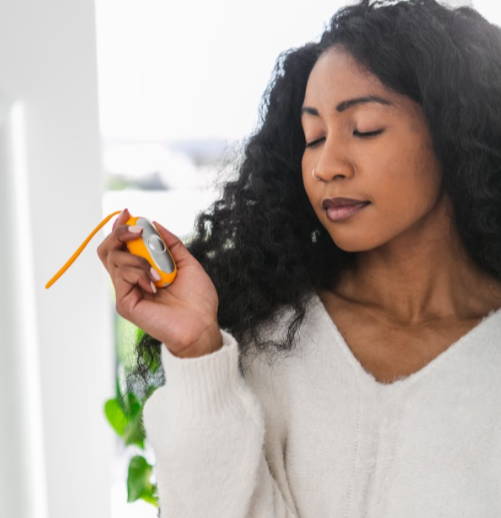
(383, 398)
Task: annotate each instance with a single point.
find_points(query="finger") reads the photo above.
(179, 252)
(117, 239)
(139, 277)
(121, 258)
(121, 218)
(103, 248)
(126, 280)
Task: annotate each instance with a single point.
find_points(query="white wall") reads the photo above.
(56, 344)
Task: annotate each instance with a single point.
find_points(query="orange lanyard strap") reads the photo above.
(80, 249)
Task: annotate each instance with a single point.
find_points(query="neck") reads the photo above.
(423, 274)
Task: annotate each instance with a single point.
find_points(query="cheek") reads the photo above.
(411, 171)
(406, 190)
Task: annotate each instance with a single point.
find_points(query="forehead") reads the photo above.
(337, 77)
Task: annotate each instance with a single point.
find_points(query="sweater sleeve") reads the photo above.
(206, 428)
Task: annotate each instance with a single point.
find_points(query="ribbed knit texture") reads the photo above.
(314, 435)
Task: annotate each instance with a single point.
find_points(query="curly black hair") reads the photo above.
(261, 242)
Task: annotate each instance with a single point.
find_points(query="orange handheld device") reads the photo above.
(148, 245)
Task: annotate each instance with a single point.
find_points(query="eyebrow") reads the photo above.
(344, 105)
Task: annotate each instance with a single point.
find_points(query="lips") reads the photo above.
(345, 212)
(329, 203)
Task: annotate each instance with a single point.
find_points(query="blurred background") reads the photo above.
(109, 104)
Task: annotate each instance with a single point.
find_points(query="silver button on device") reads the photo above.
(157, 248)
(156, 244)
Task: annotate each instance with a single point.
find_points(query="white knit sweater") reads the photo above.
(314, 435)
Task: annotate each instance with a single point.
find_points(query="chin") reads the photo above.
(354, 243)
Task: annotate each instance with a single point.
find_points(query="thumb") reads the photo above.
(174, 244)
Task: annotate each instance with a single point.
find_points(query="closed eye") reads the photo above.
(356, 132)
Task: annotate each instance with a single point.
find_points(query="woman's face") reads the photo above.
(396, 169)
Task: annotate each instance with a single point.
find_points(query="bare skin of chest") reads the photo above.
(389, 352)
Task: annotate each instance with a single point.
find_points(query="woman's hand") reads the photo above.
(182, 315)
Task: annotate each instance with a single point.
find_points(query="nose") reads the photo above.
(331, 164)
(331, 171)
(326, 175)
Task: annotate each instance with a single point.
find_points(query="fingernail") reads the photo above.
(153, 287)
(135, 229)
(154, 274)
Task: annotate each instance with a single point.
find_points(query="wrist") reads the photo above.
(210, 341)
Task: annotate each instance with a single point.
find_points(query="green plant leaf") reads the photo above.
(138, 481)
(151, 497)
(139, 334)
(133, 406)
(116, 416)
(118, 394)
(134, 431)
(126, 333)
(155, 363)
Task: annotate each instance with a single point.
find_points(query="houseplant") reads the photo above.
(124, 411)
